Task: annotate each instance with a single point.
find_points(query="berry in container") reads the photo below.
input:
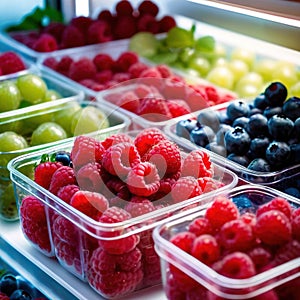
(241, 245)
(258, 139)
(97, 210)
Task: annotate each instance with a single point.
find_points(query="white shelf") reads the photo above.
(47, 274)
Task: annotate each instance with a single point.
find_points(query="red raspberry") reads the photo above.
(147, 138)
(91, 204)
(121, 77)
(86, 150)
(105, 15)
(65, 230)
(296, 228)
(63, 66)
(72, 37)
(221, 211)
(185, 188)
(148, 7)
(10, 62)
(172, 288)
(151, 72)
(237, 265)
(296, 213)
(166, 23)
(166, 156)
(148, 23)
(138, 206)
(103, 76)
(49, 62)
(56, 29)
(124, 8)
(103, 61)
(115, 275)
(129, 101)
(126, 59)
(174, 88)
(3, 296)
(44, 171)
(119, 189)
(99, 32)
(249, 218)
(209, 184)
(200, 226)
(66, 192)
(165, 71)
(196, 98)
(119, 159)
(184, 241)
(197, 164)
(287, 252)
(276, 203)
(124, 27)
(273, 228)
(178, 108)
(82, 23)
(136, 69)
(45, 43)
(62, 177)
(116, 245)
(206, 249)
(116, 139)
(142, 89)
(236, 235)
(34, 222)
(81, 69)
(143, 179)
(260, 256)
(89, 178)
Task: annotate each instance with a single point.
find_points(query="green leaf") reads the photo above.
(206, 43)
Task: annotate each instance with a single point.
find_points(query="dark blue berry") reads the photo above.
(223, 118)
(202, 135)
(259, 165)
(63, 157)
(237, 141)
(297, 127)
(254, 111)
(25, 285)
(293, 192)
(242, 201)
(269, 112)
(295, 153)
(209, 118)
(280, 127)
(258, 146)
(291, 108)
(241, 121)
(216, 148)
(276, 94)
(20, 295)
(261, 102)
(239, 159)
(184, 127)
(221, 133)
(237, 109)
(257, 125)
(278, 153)
(8, 284)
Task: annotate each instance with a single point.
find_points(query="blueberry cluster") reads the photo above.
(263, 135)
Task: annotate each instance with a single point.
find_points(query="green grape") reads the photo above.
(265, 68)
(32, 87)
(286, 73)
(144, 43)
(47, 133)
(205, 44)
(248, 90)
(186, 54)
(221, 76)
(295, 90)
(10, 96)
(11, 141)
(51, 95)
(8, 205)
(251, 78)
(64, 117)
(200, 64)
(14, 125)
(88, 119)
(220, 62)
(179, 38)
(165, 57)
(239, 68)
(243, 54)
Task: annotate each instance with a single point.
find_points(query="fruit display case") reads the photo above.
(236, 273)
(126, 236)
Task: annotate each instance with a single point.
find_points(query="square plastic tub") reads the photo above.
(114, 257)
(198, 279)
(282, 179)
(25, 121)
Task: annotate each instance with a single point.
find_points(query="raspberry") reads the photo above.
(260, 256)
(103, 76)
(3, 296)
(236, 235)
(81, 69)
(206, 249)
(119, 159)
(151, 72)
(105, 15)
(91, 204)
(208, 184)
(124, 27)
(143, 179)
(138, 206)
(44, 171)
(148, 23)
(49, 62)
(178, 108)
(165, 71)
(237, 265)
(185, 188)
(184, 241)
(45, 43)
(172, 288)
(56, 29)
(129, 101)
(197, 164)
(11, 62)
(221, 211)
(148, 7)
(72, 37)
(116, 246)
(287, 252)
(166, 23)
(116, 139)
(63, 66)
(200, 226)
(86, 150)
(99, 32)
(196, 98)
(115, 275)
(136, 69)
(82, 23)
(296, 228)
(126, 59)
(124, 8)
(121, 77)
(174, 88)
(142, 89)
(249, 218)
(62, 177)
(147, 138)
(66, 192)
(273, 228)
(88, 177)
(118, 188)
(34, 222)
(276, 203)
(103, 61)
(65, 230)
(166, 156)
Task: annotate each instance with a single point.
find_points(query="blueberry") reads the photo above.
(223, 118)
(63, 157)
(242, 201)
(293, 192)
(242, 160)
(237, 109)
(257, 125)
(258, 146)
(184, 127)
(297, 126)
(259, 165)
(20, 295)
(209, 118)
(295, 153)
(216, 148)
(221, 133)
(237, 141)
(280, 127)
(291, 108)
(276, 94)
(269, 112)
(25, 285)
(8, 284)
(202, 135)
(254, 111)
(261, 102)
(278, 153)
(241, 121)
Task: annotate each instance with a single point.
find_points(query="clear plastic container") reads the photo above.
(75, 239)
(25, 121)
(280, 281)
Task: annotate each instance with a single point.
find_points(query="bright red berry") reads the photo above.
(44, 171)
(62, 177)
(200, 226)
